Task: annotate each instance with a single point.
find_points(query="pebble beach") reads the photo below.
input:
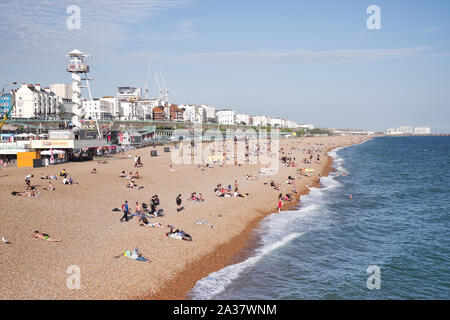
(94, 239)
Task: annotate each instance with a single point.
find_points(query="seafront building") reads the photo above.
(408, 130)
(422, 130)
(244, 119)
(226, 117)
(62, 90)
(61, 101)
(34, 102)
(99, 109)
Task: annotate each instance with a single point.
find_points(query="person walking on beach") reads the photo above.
(279, 202)
(179, 201)
(125, 211)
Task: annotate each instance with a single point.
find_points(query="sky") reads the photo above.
(308, 61)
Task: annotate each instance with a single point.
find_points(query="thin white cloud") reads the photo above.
(252, 58)
(432, 29)
(40, 25)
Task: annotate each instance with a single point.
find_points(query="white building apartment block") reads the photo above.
(62, 90)
(193, 113)
(113, 104)
(34, 102)
(260, 121)
(243, 119)
(96, 109)
(422, 130)
(131, 110)
(226, 117)
(210, 113)
(400, 130)
(275, 122)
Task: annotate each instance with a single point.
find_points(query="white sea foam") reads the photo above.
(218, 281)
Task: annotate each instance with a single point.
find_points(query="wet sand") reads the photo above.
(81, 215)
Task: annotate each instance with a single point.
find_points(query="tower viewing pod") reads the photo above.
(77, 67)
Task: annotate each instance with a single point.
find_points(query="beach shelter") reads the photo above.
(49, 152)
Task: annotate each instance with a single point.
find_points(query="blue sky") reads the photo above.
(309, 61)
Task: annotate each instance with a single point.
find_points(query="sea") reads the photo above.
(391, 240)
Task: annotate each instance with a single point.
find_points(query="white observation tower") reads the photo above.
(77, 67)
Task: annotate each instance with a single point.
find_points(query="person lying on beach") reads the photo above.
(274, 185)
(144, 222)
(28, 177)
(250, 177)
(196, 198)
(103, 162)
(133, 185)
(122, 174)
(28, 185)
(44, 177)
(135, 255)
(136, 175)
(178, 234)
(29, 194)
(44, 236)
(240, 195)
(50, 187)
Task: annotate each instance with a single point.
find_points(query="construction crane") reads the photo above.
(161, 93)
(7, 115)
(146, 83)
(166, 90)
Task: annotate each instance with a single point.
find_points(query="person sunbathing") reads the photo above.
(130, 175)
(44, 177)
(144, 222)
(50, 187)
(136, 175)
(178, 234)
(44, 236)
(133, 185)
(122, 174)
(136, 255)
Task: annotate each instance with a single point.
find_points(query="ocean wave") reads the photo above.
(218, 281)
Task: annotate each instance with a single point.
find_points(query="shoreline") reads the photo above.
(184, 282)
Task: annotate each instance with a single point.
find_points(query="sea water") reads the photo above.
(397, 220)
